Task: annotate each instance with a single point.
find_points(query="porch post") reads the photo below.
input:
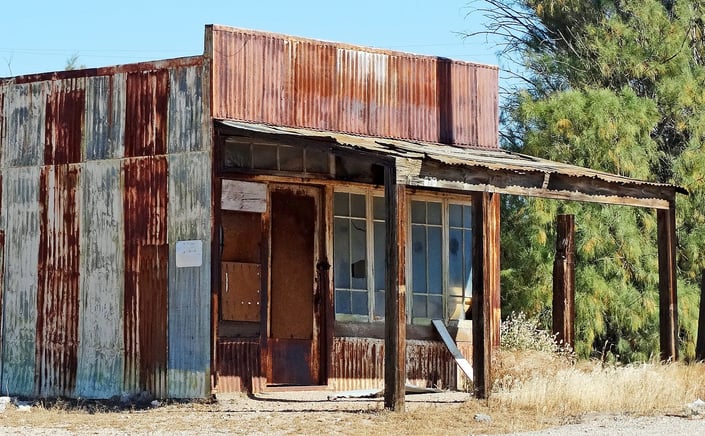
(485, 289)
(668, 302)
(564, 280)
(395, 292)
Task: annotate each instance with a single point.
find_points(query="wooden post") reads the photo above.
(700, 344)
(395, 293)
(668, 302)
(485, 289)
(564, 281)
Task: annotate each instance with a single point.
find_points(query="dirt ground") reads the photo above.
(283, 413)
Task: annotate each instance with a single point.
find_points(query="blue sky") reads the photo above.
(39, 36)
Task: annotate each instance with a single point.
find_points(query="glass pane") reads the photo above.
(316, 161)
(357, 206)
(467, 217)
(455, 215)
(358, 252)
(340, 204)
(291, 159)
(435, 307)
(379, 305)
(342, 302)
(341, 253)
(379, 209)
(467, 261)
(418, 212)
(435, 261)
(237, 155)
(359, 303)
(418, 258)
(456, 309)
(380, 256)
(265, 157)
(434, 213)
(455, 262)
(418, 310)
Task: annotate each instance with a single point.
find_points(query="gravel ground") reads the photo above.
(621, 425)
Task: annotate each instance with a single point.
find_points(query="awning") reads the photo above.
(433, 165)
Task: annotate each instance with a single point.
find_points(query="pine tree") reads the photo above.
(617, 86)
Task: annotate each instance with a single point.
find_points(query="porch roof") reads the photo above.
(433, 165)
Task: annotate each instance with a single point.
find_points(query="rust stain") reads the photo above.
(146, 113)
(238, 366)
(146, 274)
(65, 110)
(58, 287)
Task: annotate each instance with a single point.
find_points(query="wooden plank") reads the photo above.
(564, 281)
(395, 295)
(457, 355)
(241, 291)
(243, 196)
(668, 302)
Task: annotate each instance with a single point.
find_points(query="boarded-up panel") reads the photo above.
(21, 198)
(189, 287)
(243, 196)
(242, 236)
(146, 261)
(24, 108)
(146, 113)
(58, 290)
(101, 348)
(185, 110)
(240, 285)
(64, 122)
(105, 117)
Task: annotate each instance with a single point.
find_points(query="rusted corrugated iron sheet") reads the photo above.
(101, 349)
(58, 285)
(104, 119)
(64, 122)
(281, 80)
(146, 262)
(239, 366)
(21, 216)
(24, 108)
(147, 95)
(189, 287)
(185, 110)
(358, 363)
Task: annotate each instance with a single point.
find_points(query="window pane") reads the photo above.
(265, 157)
(237, 155)
(342, 302)
(455, 262)
(435, 307)
(380, 256)
(467, 217)
(379, 305)
(456, 309)
(418, 258)
(379, 209)
(358, 252)
(467, 260)
(419, 307)
(418, 212)
(435, 261)
(316, 161)
(455, 215)
(357, 205)
(341, 204)
(341, 253)
(434, 213)
(359, 303)
(291, 159)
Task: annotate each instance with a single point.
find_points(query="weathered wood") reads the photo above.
(485, 289)
(564, 281)
(668, 303)
(243, 196)
(395, 294)
(700, 344)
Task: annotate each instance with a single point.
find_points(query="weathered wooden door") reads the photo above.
(294, 321)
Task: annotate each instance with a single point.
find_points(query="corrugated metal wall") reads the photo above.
(103, 172)
(297, 82)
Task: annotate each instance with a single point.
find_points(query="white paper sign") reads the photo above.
(189, 253)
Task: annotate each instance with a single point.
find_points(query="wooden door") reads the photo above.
(294, 333)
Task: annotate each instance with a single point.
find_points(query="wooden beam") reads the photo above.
(395, 293)
(668, 302)
(485, 289)
(564, 281)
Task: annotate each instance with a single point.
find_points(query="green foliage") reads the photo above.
(617, 86)
(519, 333)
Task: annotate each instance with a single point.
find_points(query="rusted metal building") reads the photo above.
(276, 212)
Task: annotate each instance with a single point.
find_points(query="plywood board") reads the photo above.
(243, 196)
(240, 291)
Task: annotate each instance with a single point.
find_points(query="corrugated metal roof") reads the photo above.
(608, 186)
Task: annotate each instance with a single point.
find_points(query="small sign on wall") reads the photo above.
(189, 253)
(244, 196)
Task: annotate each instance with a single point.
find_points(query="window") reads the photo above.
(439, 276)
